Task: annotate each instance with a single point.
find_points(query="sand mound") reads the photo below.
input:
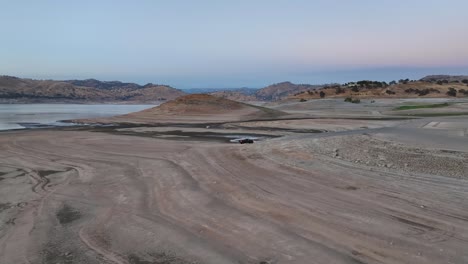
(205, 107)
(199, 104)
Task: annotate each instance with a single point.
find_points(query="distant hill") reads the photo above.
(283, 90)
(274, 92)
(375, 89)
(236, 95)
(447, 78)
(112, 85)
(18, 90)
(243, 90)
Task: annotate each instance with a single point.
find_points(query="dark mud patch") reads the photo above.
(3, 174)
(49, 256)
(20, 175)
(279, 129)
(159, 258)
(45, 173)
(267, 262)
(5, 206)
(11, 221)
(414, 224)
(181, 135)
(21, 204)
(67, 215)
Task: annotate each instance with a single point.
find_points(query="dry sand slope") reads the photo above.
(82, 197)
(196, 108)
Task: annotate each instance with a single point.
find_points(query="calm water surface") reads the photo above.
(17, 116)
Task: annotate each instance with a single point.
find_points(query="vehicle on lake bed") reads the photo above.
(243, 140)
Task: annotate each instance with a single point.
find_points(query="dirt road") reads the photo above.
(83, 197)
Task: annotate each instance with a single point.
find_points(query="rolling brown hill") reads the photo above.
(274, 92)
(414, 89)
(13, 89)
(448, 78)
(235, 95)
(283, 90)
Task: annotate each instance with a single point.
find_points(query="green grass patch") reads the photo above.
(410, 107)
(439, 114)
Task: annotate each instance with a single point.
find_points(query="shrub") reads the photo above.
(351, 100)
(452, 92)
(322, 94)
(339, 90)
(303, 100)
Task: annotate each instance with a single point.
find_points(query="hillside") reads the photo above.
(369, 89)
(17, 90)
(446, 78)
(235, 95)
(274, 92)
(112, 85)
(282, 90)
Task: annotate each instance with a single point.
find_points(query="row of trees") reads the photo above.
(442, 82)
(422, 92)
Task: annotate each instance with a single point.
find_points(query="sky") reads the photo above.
(227, 44)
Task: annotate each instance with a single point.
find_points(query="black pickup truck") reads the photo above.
(246, 141)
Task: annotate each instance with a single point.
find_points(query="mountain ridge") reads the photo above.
(22, 90)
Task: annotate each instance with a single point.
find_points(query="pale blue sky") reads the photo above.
(233, 43)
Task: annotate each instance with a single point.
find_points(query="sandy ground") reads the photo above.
(390, 191)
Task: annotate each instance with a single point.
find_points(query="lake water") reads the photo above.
(17, 116)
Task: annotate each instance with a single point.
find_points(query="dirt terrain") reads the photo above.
(342, 183)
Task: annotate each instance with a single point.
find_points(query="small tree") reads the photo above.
(322, 94)
(452, 92)
(339, 90)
